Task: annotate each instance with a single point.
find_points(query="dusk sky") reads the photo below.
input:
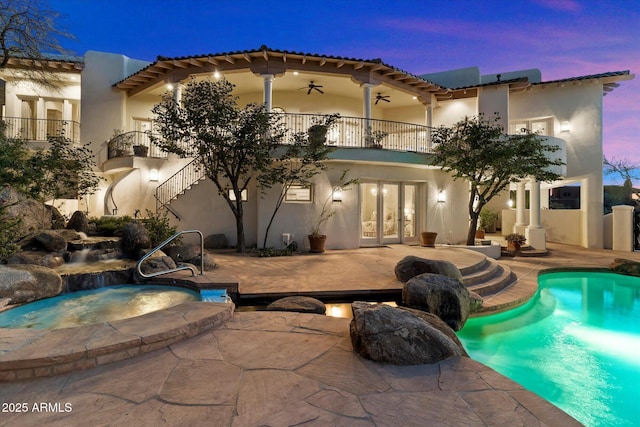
(562, 38)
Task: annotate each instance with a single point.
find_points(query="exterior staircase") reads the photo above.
(178, 184)
(496, 284)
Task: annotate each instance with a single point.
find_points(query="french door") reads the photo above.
(387, 212)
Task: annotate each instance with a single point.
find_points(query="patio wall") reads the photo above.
(561, 225)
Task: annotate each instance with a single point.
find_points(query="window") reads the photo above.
(299, 194)
(542, 127)
(232, 195)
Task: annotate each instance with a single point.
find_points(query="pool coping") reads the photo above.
(27, 353)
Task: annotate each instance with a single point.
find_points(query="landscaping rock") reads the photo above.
(135, 238)
(443, 296)
(78, 222)
(411, 266)
(475, 302)
(626, 266)
(400, 337)
(23, 283)
(183, 253)
(437, 323)
(157, 264)
(298, 304)
(69, 235)
(216, 241)
(44, 259)
(209, 262)
(34, 215)
(52, 241)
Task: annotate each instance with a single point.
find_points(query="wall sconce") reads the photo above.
(232, 195)
(337, 194)
(565, 126)
(154, 175)
(510, 203)
(442, 196)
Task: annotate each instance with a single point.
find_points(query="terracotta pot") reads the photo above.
(140, 150)
(513, 247)
(479, 234)
(316, 243)
(428, 239)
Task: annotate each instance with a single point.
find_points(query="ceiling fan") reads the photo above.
(380, 97)
(312, 86)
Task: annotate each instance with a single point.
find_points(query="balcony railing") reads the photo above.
(38, 130)
(359, 132)
(134, 143)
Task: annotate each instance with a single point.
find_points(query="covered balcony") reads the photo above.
(349, 132)
(37, 131)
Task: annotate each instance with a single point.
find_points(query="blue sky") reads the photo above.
(563, 38)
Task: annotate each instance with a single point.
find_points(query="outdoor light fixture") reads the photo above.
(216, 74)
(154, 175)
(565, 127)
(337, 194)
(442, 196)
(169, 86)
(510, 203)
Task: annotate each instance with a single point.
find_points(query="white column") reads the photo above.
(536, 235)
(177, 93)
(534, 204)
(268, 90)
(521, 201)
(622, 228)
(366, 105)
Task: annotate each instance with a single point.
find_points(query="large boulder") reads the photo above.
(135, 238)
(400, 337)
(216, 241)
(78, 222)
(43, 258)
(34, 214)
(51, 241)
(182, 253)
(208, 262)
(443, 296)
(298, 304)
(475, 302)
(23, 283)
(157, 264)
(411, 266)
(626, 266)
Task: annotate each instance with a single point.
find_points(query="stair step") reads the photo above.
(489, 268)
(503, 278)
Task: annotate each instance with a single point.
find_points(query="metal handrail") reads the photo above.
(173, 270)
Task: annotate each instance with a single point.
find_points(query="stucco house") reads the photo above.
(400, 192)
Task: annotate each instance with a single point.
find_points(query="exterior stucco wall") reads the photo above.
(447, 113)
(581, 106)
(492, 100)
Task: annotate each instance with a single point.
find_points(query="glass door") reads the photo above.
(381, 218)
(390, 208)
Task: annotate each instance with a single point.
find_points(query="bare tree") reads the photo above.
(29, 33)
(624, 168)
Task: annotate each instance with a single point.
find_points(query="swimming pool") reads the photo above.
(95, 306)
(576, 344)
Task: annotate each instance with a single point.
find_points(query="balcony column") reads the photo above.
(366, 112)
(536, 235)
(177, 93)
(521, 201)
(268, 90)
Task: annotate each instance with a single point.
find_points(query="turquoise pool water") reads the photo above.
(95, 306)
(577, 344)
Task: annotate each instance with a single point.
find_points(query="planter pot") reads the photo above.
(479, 234)
(140, 150)
(316, 243)
(428, 239)
(513, 247)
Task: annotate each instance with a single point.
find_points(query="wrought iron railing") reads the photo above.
(38, 130)
(349, 132)
(178, 183)
(359, 132)
(134, 143)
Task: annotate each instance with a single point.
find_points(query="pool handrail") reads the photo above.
(181, 267)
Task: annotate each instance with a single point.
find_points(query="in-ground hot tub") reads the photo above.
(100, 305)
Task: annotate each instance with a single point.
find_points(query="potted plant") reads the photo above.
(120, 144)
(514, 242)
(140, 150)
(487, 222)
(374, 139)
(316, 238)
(428, 239)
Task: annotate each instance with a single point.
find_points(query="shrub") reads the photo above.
(159, 228)
(110, 226)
